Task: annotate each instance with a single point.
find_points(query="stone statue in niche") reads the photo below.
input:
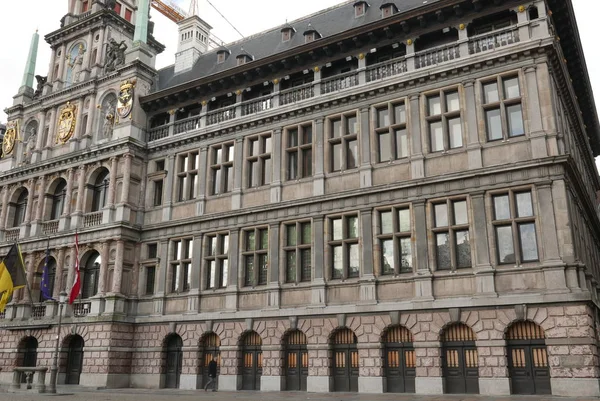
(115, 55)
(40, 85)
(109, 118)
(75, 63)
(30, 146)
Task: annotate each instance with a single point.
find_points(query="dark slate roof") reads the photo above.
(329, 22)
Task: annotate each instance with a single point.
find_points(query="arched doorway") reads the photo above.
(527, 359)
(252, 361)
(28, 354)
(345, 361)
(399, 360)
(296, 361)
(459, 360)
(210, 348)
(174, 361)
(74, 360)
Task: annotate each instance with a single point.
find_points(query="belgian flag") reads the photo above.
(12, 275)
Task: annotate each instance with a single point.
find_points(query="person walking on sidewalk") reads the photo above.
(212, 373)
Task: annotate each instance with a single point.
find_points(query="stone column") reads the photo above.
(423, 281)
(112, 185)
(30, 272)
(71, 271)
(87, 58)
(274, 239)
(484, 277)
(58, 278)
(429, 378)
(470, 112)
(69, 191)
(537, 135)
(31, 188)
(417, 161)
(103, 275)
(193, 305)
(61, 63)
(203, 172)
(73, 144)
(368, 292)
(100, 52)
(41, 198)
(170, 180)
(318, 287)
(51, 76)
(80, 189)
(127, 158)
(366, 169)
(410, 55)
(231, 301)
(118, 272)
(4, 211)
(319, 177)
(35, 157)
(51, 132)
(163, 267)
(135, 279)
(238, 163)
(276, 155)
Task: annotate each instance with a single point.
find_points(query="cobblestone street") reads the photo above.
(163, 395)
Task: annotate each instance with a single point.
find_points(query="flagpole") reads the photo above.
(26, 280)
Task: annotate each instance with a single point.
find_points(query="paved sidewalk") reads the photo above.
(68, 393)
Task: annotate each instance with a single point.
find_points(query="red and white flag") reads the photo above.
(76, 289)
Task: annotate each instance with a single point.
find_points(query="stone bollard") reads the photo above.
(16, 381)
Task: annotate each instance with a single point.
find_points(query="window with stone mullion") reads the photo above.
(181, 265)
(258, 161)
(187, 176)
(222, 157)
(299, 149)
(217, 261)
(256, 256)
(444, 122)
(343, 142)
(344, 247)
(298, 253)
(390, 131)
(515, 227)
(502, 108)
(451, 234)
(395, 240)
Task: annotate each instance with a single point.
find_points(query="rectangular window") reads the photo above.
(221, 168)
(259, 165)
(297, 251)
(152, 251)
(118, 8)
(157, 192)
(85, 6)
(451, 234)
(502, 108)
(343, 245)
(217, 260)
(159, 165)
(514, 225)
(299, 151)
(181, 264)
(343, 142)
(128, 14)
(150, 279)
(395, 240)
(444, 121)
(256, 256)
(390, 131)
(187, 176)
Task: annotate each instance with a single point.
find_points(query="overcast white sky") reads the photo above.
(21, 18)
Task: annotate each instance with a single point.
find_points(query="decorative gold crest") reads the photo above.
(66, 123)
(10, 137)
(125, 100)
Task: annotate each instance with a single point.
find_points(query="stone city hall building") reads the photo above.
(384, 196)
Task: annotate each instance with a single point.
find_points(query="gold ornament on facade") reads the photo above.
(461, 27)
(361, 56)
(238, 92)
(66, 123)
(10, 137)
(409, 42)
(204, 102)
(316, 69)
(276, 81)
(125, 99)
(521, 9)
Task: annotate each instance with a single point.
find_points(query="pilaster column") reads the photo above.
(319, 177)
(88, 54)
(41, 198)
(58, 278)
(276, 183)
(318, 230)
(104, 250)
(71, 271)
(51, 76)
(417, 165)
(484, 273)
(30, 271)
(234, 251)
(203, 171)
(52, 130)
(170, 181)
(135, 273)
(61, 62)
(126, 177)
(112, 185)
(421, 253)
(537, 134)
(366, 178)
(118, 272)
(31, 188)
(274, 253)
(196, 267)
(4, 207)
(78, 127)
(470, 111)
(236, 199)
(41, 130)
(162, 268)
(69, 192)
(80, 189)
(100, 52)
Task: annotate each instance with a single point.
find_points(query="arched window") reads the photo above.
(91, 273)
(20, 208)
(58, 200)
(100, 192)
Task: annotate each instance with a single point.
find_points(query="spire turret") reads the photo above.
(141, 22)
(31, 60)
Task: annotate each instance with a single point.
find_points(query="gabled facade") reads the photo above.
(404, 203)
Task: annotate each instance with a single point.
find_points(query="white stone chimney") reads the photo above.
(193, 41)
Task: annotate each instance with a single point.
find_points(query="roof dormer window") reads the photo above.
(243, 58)
(360, 8)
(388, 9)
(311, 34)
(222, 55)
(287, 32)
